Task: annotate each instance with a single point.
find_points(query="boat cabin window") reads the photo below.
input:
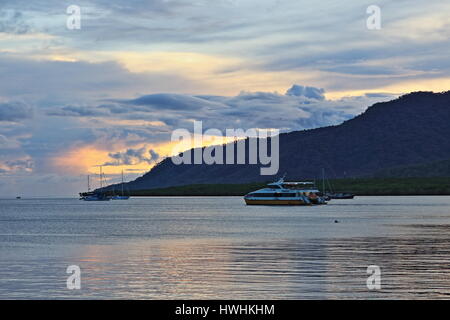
(298, 186)
(272, 195)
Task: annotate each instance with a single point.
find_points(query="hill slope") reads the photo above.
(433, 169)
(413, 129)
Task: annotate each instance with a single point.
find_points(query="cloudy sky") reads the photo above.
(113, 91)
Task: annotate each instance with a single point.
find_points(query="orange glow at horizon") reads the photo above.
(86, 159)
(435, 85)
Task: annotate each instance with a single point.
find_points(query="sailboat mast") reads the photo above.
(89, 183)
(122, 182)
(101, 177)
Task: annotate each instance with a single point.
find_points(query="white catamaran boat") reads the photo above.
(286, 193)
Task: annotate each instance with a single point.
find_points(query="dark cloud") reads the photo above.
(287, 112)
(133, 157)
(115, 108)
(15, 111)
(308, 92)
(154, 156)
(61, 82)
(302, 107)
(20, 164)
(172, 101)
(77, 111)
(12, 21)
(16, 166)
(380, 95)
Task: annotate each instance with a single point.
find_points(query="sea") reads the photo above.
(390, 247)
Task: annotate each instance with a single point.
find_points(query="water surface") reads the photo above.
(218, 248)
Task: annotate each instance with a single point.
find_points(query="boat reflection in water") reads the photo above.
(286, 193)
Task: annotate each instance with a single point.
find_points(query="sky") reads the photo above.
(111, 92)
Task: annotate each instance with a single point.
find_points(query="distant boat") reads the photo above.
(334, 195)
(122, 196)
(18, 198)
(286, 193)
(343, 195)
(94, 195)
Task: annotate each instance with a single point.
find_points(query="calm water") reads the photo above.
(211, 248)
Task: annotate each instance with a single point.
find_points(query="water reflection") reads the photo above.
(286, 269)
(199, 248)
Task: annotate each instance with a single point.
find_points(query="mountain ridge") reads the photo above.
(407, 131)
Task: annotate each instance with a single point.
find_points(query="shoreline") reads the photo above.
(218, 195)
(357, 186)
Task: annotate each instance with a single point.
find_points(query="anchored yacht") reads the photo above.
(286, 193)
(94, 195)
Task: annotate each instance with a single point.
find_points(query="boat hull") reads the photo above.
(282, 193)
(345, 197)
(276, 202)
(92, 196)
(95, 199)
(341, 195)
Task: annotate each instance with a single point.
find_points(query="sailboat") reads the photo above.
(94, 195)
(334, 195)
(122, 196)
(325, 194)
